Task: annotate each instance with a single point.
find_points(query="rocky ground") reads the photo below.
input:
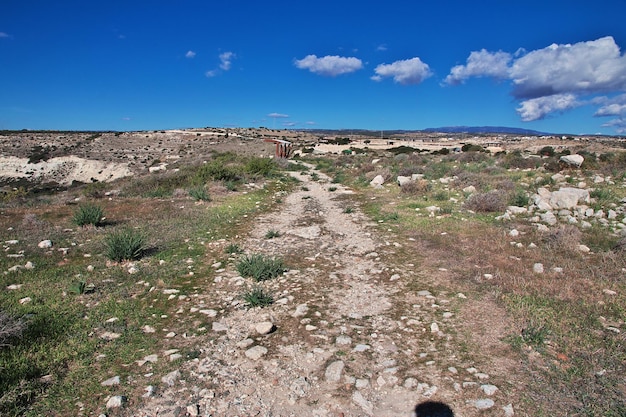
(344, 337)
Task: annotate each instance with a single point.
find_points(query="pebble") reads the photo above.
(359, 400)
(45, 244)
(343, 340)
(489, 389)
(538, 268)
(255, 353)
(484, 404)
(25, 300)
(171, 378)
(219, 327)
(111, 381)
(333, 371)
(264, 327)
(361, 348)
(14, 287)
(508, 410)
(301, 310)
(116, 401)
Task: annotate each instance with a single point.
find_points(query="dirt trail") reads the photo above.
(349, 338)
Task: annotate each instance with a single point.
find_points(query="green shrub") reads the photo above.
(233, 248)
(88, 214)
(199, 194)
(257, 297)
(519, 199)
(271, 234)
(331, 189)
(262, 167)
(260, 267)
(125, 244)
(547, 151)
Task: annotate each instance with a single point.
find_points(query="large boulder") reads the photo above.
(568, 198)
(378, 181)
(572, 160)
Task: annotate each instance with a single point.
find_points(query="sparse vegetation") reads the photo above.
(125, 245)
(257, 297)
(89, 214)
(271, 234)
(260, 267)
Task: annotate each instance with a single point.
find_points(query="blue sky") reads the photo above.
(555, 66)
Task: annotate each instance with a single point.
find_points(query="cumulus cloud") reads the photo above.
(329, 65)
(556, 78)
(615, 106)
(585, 67)
(408, 71)
(211, 73)
(278, 115)
(190, 54)
(4, 35)
(226, 59)
(618, 124)
(538, 108)
(481, 64)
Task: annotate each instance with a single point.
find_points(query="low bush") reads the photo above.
(10, 328)
(88, 214)
(415, 187)
(199, 194)
(233, 248)
(260, 267)
(125, 245)
(493, 201)
(257, 297)
(271, 234)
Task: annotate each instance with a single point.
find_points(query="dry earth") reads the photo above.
(348, 338)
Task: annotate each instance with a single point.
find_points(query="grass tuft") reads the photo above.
(257, 297)
(125, 245)
(88, 214)
(260, 267)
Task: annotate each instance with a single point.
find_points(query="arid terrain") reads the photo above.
(471, 276)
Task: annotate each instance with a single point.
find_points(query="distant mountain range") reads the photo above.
(485, 129)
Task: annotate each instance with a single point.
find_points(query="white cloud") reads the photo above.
(211, 73)
(540, 107)
(481, 64)
(190, 54)
(615, 106)
(329, 65)
(381, 48)
(584, 68)
(226, 60)
(618, 124)
(278, 115)
(4, 35)
(408, 71)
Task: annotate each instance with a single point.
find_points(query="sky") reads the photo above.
(550, 66)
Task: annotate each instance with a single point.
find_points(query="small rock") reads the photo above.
(219, 327)
(255, 353)
(343, 340)
(264, 327)
(208, 312)
(111, 381)
(538, 268)
(514, 233)
(149, 391)
(584, 248)
(45, 244)
(116, 401)
(489, 389)
(171, 378)
(25, 300)
(484, 404)
(14, 287)
(334, 370)
(245, 343)
(193, 410)
(301, 310)
(361, 348)
(508, 410)
(434, 328)
(175, 357)
(133, 270)
(29, 265)
(609, 292)
(359, 400)
(148, 329)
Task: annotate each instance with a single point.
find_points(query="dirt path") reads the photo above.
(349, 339)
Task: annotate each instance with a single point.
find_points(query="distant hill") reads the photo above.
(485, 129)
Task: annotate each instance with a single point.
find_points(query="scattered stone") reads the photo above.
(609, 292)
(538, 268)
(14, 287)
(343, 340)
(25, 300)
(29, 265)
(584, 248)
(334, 370)
(378, 181)
(150, 358)
(193, 410)
(208, 312)
(301, 310)
(484, 404)
(514, 233)
(116, 401)
(148, 329)
(219, 327)
(45, 244)
(572, 160)
(489, 389)
(359, 400)
(175, 357)
(111, 381)
(361, 348)
(265, 327)
(245, 343)
(255, 353)
(434, 328)
(133, 270)
(171, 378)
(362, 383)
(508, 410)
